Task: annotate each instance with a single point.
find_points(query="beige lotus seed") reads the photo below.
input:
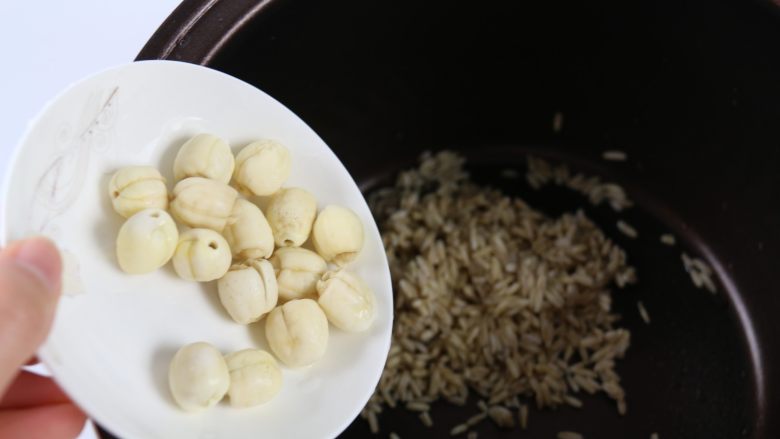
(198, 377)
(290, 213)
(255, 377)
(262, 167)
(204, 155)
(135, 188)
(297, 332)
(248, 291)
(337, 235)
(146, 241)
(346, 300)
(201, 255)
(297, 272)
(202, 203)
(248, 232)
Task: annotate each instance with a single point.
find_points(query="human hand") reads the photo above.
(31, 406)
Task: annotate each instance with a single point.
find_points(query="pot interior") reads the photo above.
(687, 89)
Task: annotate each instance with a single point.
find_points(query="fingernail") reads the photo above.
(41, 257)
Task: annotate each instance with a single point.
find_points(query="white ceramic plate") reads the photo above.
(115, 334)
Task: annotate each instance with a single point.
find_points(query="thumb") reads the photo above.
(30, 282)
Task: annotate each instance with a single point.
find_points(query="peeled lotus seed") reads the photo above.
(255, 377)
(290, 213)
(262, 167)
(347, 301)
(337, 235)
(136, 188)
(297, 272)
(248, 232)
(198, 376)
(201, 255)
(146, 241)
(248, 291)
(297, 332)
(200, 202)
(204, 155)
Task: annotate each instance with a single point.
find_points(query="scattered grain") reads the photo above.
(501, 416)
(572, 401)
(627, 229)
(459, 429)
(476, 419)
(700, 272)
(614, 155)
(523, 416)
(373, 423)
(643, 312)
(418, 406)
(557, 124)
(425, 418)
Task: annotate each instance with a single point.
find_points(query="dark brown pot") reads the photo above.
(688, 88)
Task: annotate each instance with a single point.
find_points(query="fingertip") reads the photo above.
(72, 420)
(40, 256)
(58, 421)
(30, 273)
(29, 390)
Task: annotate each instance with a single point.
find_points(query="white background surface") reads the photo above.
(46, 45)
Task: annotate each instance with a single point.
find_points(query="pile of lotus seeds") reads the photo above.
(256, 258)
